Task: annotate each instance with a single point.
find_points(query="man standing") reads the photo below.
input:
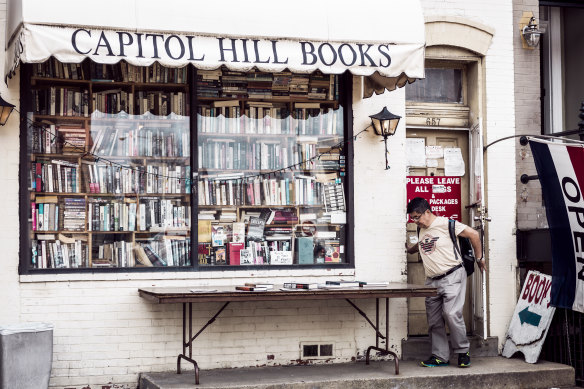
(445, 272)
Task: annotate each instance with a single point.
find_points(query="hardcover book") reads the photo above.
(218, 235)
(245, 257)
(234, 253)
(238, 232)
(205, 254)
(256, 229)
(305, 250)
(205, 230)
(220, 257)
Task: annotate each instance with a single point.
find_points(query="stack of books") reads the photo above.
(300, 285)
(209, 83)
(252, 287)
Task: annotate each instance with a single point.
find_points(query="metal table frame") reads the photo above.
(164, 295)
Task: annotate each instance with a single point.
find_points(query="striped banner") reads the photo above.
(560, 168)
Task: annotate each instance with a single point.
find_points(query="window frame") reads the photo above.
(345, 99)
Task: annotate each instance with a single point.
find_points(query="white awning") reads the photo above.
(379, 38)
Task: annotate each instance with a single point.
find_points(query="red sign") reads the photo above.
(442, 192)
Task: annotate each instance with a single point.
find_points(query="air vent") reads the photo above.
(316, 350)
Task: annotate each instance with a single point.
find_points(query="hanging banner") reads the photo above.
(531, 319)
(560, 168)
(442, 192)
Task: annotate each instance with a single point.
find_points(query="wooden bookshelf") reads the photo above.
(114, 181)
(267, 142)
(115, 205)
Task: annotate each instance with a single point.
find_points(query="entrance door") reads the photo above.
(417, 323)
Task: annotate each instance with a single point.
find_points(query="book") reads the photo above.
(300, 285)
(342, 284)
(205, 230)
(220, 256)
(141, 256)
(238, 232)
(332, 252)
(373, 284)
(225, 103)
(153, 256)
(218, 235)
(245, 257)
(256, 229)
(204, 254)
(260, 285)
(234, 253)
(251, 288)
(305, 250)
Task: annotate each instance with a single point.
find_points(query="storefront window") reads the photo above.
(114, 181)
(271, 169)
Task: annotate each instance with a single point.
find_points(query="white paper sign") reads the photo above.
(431, 162)
(453, 162)
(438, 188)
(338, 217)
(281, 257)
(415, 152)
(434, 152)
(531, 319)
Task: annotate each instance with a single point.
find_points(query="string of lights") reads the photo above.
(141, 170)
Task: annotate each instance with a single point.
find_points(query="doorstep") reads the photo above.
(485, 372)
(419, 348)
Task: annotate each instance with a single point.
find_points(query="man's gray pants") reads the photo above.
(447, 307)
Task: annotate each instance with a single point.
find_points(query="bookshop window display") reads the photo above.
(163, 168)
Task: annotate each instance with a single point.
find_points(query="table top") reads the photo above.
(169, 295)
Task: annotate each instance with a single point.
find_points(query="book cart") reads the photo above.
(124, 161)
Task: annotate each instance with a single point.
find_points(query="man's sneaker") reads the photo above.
(434, 362)
(464, 359)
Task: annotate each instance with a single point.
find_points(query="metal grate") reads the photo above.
(565, 341)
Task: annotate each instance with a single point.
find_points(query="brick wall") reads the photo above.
(9, 233)
(530, 213)
(500, 174)
(105, 333)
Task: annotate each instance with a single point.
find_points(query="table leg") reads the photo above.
(189, 344)
(385, 351)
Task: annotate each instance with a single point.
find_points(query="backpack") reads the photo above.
(464, 250)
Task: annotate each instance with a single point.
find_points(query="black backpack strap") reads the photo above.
(457, 253)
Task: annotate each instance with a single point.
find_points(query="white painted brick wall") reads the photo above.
(530, 213)
(500, 158)
(105, 333)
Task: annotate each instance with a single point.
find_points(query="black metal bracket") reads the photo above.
(525, 178)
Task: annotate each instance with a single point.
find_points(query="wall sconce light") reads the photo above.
(530, 33)
(5, 111)
(384, 124)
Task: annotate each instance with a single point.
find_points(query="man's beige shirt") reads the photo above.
(436, 248)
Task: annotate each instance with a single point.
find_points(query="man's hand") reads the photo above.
(482, 265)
(411, 250)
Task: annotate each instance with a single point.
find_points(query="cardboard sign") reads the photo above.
(442, 192)
(531, 319)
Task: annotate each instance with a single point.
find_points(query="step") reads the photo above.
(418, 348)
(486, 373)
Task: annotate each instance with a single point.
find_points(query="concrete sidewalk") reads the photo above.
(487, 372)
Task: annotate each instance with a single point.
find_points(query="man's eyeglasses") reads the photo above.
(416, 218)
